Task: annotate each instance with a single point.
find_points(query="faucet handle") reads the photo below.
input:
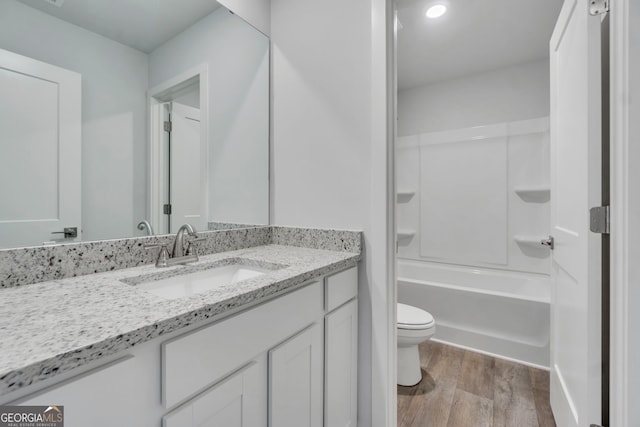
(191, 247)
(163, 253)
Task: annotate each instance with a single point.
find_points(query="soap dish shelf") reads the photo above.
(406, 234)
(534, 194)
(534, 241)
(403, 196)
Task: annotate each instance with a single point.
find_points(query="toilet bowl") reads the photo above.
(414, 327)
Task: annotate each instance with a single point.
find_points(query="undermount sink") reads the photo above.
(188, 284)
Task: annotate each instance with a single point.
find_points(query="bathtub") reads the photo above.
(500, 313)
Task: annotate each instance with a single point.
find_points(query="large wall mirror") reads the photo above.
(123, 118)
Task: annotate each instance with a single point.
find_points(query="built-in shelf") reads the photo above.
(406, 234)
(534, 194)
(405, 195)
(530, 240)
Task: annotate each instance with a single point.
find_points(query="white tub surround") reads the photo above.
(99, 315)
(501, 313)
(482, 198)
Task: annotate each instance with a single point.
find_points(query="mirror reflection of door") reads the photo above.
(123, 55)
(184, 175)
(179, 178)
(40, 118)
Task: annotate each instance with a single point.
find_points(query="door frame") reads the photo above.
(157, 96)
(625, 194)
(383, 204)
(625, 220)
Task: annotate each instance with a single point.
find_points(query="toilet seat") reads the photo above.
(413, 318)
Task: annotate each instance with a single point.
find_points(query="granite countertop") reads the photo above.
(52, 327)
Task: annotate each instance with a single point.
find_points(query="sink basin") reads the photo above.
(201, 281)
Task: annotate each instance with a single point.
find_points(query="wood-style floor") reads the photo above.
(461, 388)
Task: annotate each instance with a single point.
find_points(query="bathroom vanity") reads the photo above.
(277, 349)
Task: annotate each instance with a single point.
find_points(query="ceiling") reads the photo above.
(141, 24)
(474, 36)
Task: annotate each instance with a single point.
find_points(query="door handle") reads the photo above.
(69, 232)
(548, 242)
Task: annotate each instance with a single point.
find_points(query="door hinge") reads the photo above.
(69, 232)
(167, 126)
(599, 221)
(598, 7)
(167, 209)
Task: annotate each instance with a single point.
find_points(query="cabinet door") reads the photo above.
(341, 359)
(239, 401)
(295, 381)
(194, 361)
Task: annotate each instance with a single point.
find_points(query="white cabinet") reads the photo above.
(341, 349)
(341, 364)
(295, 381)
(238, 401)
(192, 362)
(289, 362)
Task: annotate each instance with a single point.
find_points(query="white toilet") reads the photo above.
(414, 327)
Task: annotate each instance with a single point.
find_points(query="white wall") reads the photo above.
(238, 61)
(326, 159)
(255, 12)
(504, 95)
(114, 81)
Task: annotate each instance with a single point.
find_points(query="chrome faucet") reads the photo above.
(178, 244)
(179, 254)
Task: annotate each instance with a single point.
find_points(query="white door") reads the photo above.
(575, 187)
(40, 123)
(187, 177)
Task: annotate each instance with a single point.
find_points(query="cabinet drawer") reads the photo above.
(192, 362)
(340, 288)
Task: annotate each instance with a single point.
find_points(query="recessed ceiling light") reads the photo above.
(436, 11)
